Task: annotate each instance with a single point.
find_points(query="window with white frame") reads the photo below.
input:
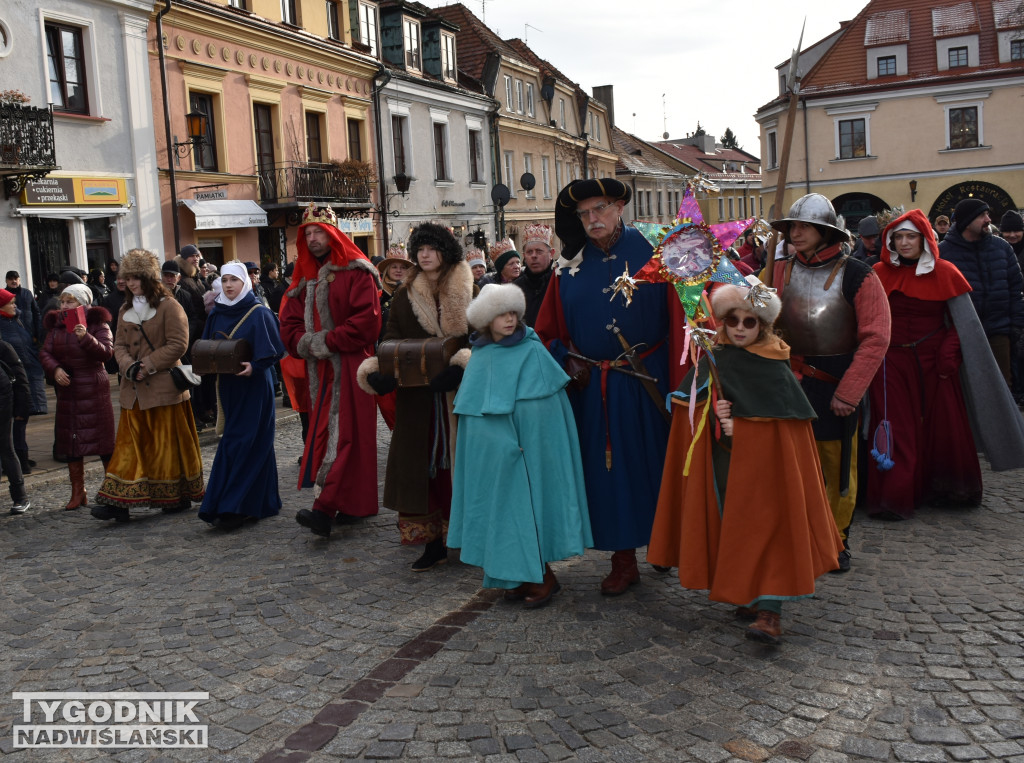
(67, 67)
(411, 36)
(558, 175)
(528, 167)
(520, 100)
(887, 61)
(721, 208)
(530, 108)
(963, 127)
(238, 4)
(561, 113)
(597, 127)
(773, 149)
(289, 13)
(545, 176)
(509, 103)
(476, 155)
(333, 21)
(510, 169)
(448, 57)
(852, 138)
(368, 26)
(956, 52)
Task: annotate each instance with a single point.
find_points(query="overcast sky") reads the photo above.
(713, 60)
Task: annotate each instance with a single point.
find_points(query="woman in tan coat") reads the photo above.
(156, 459)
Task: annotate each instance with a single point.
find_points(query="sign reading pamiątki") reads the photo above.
(110, 719)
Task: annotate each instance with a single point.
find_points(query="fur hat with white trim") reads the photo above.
(494, 300)
(759, 299)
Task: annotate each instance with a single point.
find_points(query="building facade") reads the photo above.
(88, 61)
(911, 103)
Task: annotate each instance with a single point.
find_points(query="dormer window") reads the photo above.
(958, 57)
(1017, 50)
(413, 58)
(448, 57)
(368, 27)
(886, 66)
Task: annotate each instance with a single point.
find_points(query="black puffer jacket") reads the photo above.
(13, 382)
(991, 268)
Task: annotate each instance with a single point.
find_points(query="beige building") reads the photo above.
(545, 125)
(911, 103)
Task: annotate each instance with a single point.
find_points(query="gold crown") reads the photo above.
(500, 247)
(397, 251)
(322, 215)
(537, 232)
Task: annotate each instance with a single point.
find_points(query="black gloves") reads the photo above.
(447, 380)
(382, 385)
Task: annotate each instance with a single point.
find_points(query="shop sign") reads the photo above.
(78, 190)
(358, 226)
(210, 195)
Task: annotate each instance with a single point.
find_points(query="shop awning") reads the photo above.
(67, 213)
(226, 213)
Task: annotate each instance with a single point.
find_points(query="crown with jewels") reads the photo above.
(322, 215)
(500, 247)
(537, 232)
(397, 252)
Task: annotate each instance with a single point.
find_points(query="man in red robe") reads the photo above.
(330, 317)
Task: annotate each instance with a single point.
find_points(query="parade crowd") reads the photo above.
(552, 403)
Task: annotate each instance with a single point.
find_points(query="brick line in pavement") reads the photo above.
(366, 691)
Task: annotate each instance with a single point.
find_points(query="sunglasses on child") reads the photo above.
(732, 321)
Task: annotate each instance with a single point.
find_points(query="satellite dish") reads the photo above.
(500, 194)
(664, 136)
(527, 182)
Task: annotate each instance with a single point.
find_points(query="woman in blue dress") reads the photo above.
(518, 499)
(243, 480)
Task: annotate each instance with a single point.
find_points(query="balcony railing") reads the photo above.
(302, 182)
(26, 144)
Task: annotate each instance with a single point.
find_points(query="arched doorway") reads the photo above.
(998, 200)
(856, 206)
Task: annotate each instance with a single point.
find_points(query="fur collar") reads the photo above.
(453, 301)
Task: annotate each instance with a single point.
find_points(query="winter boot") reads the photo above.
(542, 593)
(624, 573)
(434, 554)
(767, 628)
(78, 497)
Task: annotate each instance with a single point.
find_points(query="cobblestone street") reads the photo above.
(334, 650)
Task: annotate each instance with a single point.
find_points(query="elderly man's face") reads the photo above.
(600, 217)
(537, 256)
(170, 279)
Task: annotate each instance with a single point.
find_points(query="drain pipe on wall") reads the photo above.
(167, 123)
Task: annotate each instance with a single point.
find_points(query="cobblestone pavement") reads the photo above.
(332, 650)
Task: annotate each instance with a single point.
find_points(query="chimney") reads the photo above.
(603, 93)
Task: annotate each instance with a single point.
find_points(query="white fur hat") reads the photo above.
(757, 298)
(494, 300)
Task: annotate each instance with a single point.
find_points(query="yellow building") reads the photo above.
(910, 103)
(286, 89)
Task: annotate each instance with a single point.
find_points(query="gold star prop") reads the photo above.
(624, 285)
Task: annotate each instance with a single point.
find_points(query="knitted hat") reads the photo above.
(1012, 221)
(438, 237)
(503, 259)
(189, 250)
(6, 296)
(140, 263)
(494, 300)
(966, 211)
(81, 293)
(69, 276)
(759, 299)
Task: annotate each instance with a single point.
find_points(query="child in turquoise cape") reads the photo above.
(518, 498)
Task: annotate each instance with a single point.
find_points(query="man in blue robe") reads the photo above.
(622, 427)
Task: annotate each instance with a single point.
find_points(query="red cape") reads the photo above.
(941, 284)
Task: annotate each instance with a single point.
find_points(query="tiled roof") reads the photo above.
(637, 157)
(961, 18)
(1009, 14)
(844, 67)
(475, 40)
(694, 157)
(887, 27)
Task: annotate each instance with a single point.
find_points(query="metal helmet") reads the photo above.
(816, 210)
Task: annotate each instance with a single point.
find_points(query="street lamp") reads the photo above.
(196, 122)
(402, 183)
(913, 190)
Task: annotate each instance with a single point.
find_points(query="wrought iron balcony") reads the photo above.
(26, 144)
(289, 183)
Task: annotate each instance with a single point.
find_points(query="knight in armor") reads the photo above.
(835, 317)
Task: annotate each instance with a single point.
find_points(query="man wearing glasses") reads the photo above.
(623, 432)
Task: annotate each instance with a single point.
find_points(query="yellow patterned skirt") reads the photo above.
(156, 460)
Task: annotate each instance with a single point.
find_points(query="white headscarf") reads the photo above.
(236, 269)
(926, 262)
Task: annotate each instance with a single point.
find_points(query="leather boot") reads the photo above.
(542, 593)
(78, 497)
(767, 628)
(518, 593)
(434, 553)
(624, 573)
